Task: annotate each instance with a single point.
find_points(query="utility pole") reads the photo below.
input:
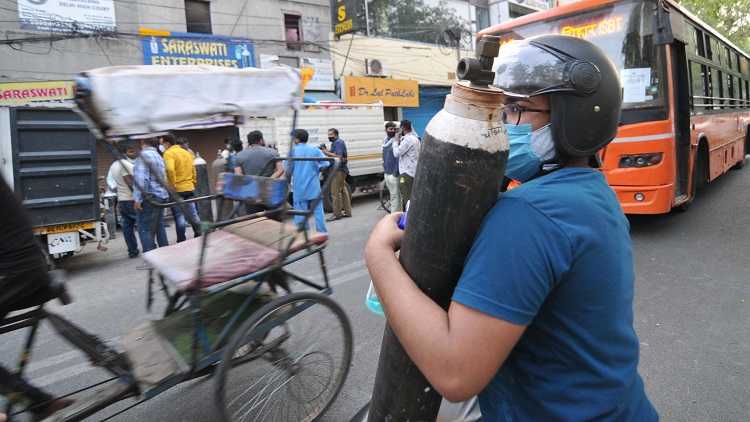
(367, 19)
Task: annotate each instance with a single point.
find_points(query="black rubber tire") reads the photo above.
(239, 340)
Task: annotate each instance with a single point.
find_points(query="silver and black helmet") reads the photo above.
(582, 82)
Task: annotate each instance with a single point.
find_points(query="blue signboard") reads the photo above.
(189, 49)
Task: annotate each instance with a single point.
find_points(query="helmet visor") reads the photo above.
(524, 70)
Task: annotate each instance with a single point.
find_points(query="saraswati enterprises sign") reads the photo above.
(67, 15)
(192, 50)
(24, 93)
(391, 92)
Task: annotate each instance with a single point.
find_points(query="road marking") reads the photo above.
(35, 366)
(63, 374)
(350, 277)
(344, 268)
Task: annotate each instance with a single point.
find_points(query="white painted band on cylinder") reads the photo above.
(472, 111)
(471, 133)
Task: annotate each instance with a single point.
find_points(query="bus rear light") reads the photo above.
(640, 160)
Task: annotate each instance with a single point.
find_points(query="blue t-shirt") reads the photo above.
(555, 255)
(305, 174)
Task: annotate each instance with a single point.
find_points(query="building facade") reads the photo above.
(59, 39)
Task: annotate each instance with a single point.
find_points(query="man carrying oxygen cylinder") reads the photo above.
(541, 322)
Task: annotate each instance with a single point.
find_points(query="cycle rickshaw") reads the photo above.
(229, 308)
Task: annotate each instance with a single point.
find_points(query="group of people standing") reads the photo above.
(141, 175)
(258, 159)
(140, 184)
(400, 156)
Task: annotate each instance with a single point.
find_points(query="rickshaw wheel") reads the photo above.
(287, 362)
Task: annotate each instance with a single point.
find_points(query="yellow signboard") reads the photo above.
(24, 93)
(391, 92)
(343, 14)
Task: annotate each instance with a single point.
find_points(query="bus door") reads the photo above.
(681, 101)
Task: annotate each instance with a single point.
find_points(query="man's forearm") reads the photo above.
(279, 170)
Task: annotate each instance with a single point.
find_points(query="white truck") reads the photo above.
(360, 125)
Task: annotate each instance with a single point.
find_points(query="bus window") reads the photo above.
(719, 89)
(739, 92)
(737, 61)
(625, 32)
(700, 48)
(697, 78)
(730, 90)
(727, 58)
(709, 81)
(709, 51)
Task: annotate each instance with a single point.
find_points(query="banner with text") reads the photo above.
(391, 92)
(24, 93)
(67, 15)
(183, 51)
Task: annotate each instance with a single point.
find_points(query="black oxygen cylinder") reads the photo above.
(461, 165)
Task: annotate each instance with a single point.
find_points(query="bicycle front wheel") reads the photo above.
(287, 362)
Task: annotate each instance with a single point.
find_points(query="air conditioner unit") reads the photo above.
(374, 67)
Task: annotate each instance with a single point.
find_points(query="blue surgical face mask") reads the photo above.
(528, 150)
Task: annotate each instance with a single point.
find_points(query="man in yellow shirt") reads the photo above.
(181, 176)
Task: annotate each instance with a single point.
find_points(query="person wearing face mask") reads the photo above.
(540, 326)
(183, 178)
(390, 166)
(341, 197)
(306, 180)
(122, 175)
(149, 172)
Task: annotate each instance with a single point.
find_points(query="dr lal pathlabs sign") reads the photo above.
(391, 92)
(216, 51)
(25, 93)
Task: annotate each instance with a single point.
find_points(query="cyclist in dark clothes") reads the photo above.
(24, 282)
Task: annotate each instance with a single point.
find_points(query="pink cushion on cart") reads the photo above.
(228, 256)
(275, 234)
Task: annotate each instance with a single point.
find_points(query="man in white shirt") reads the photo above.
(122, 175)
(406, 149)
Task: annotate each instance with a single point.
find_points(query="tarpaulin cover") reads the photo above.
(127, 100)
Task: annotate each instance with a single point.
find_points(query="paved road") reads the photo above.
(692, 313)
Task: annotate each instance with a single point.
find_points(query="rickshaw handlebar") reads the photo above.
(335, 164)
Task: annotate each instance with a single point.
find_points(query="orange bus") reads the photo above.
(686, 95)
